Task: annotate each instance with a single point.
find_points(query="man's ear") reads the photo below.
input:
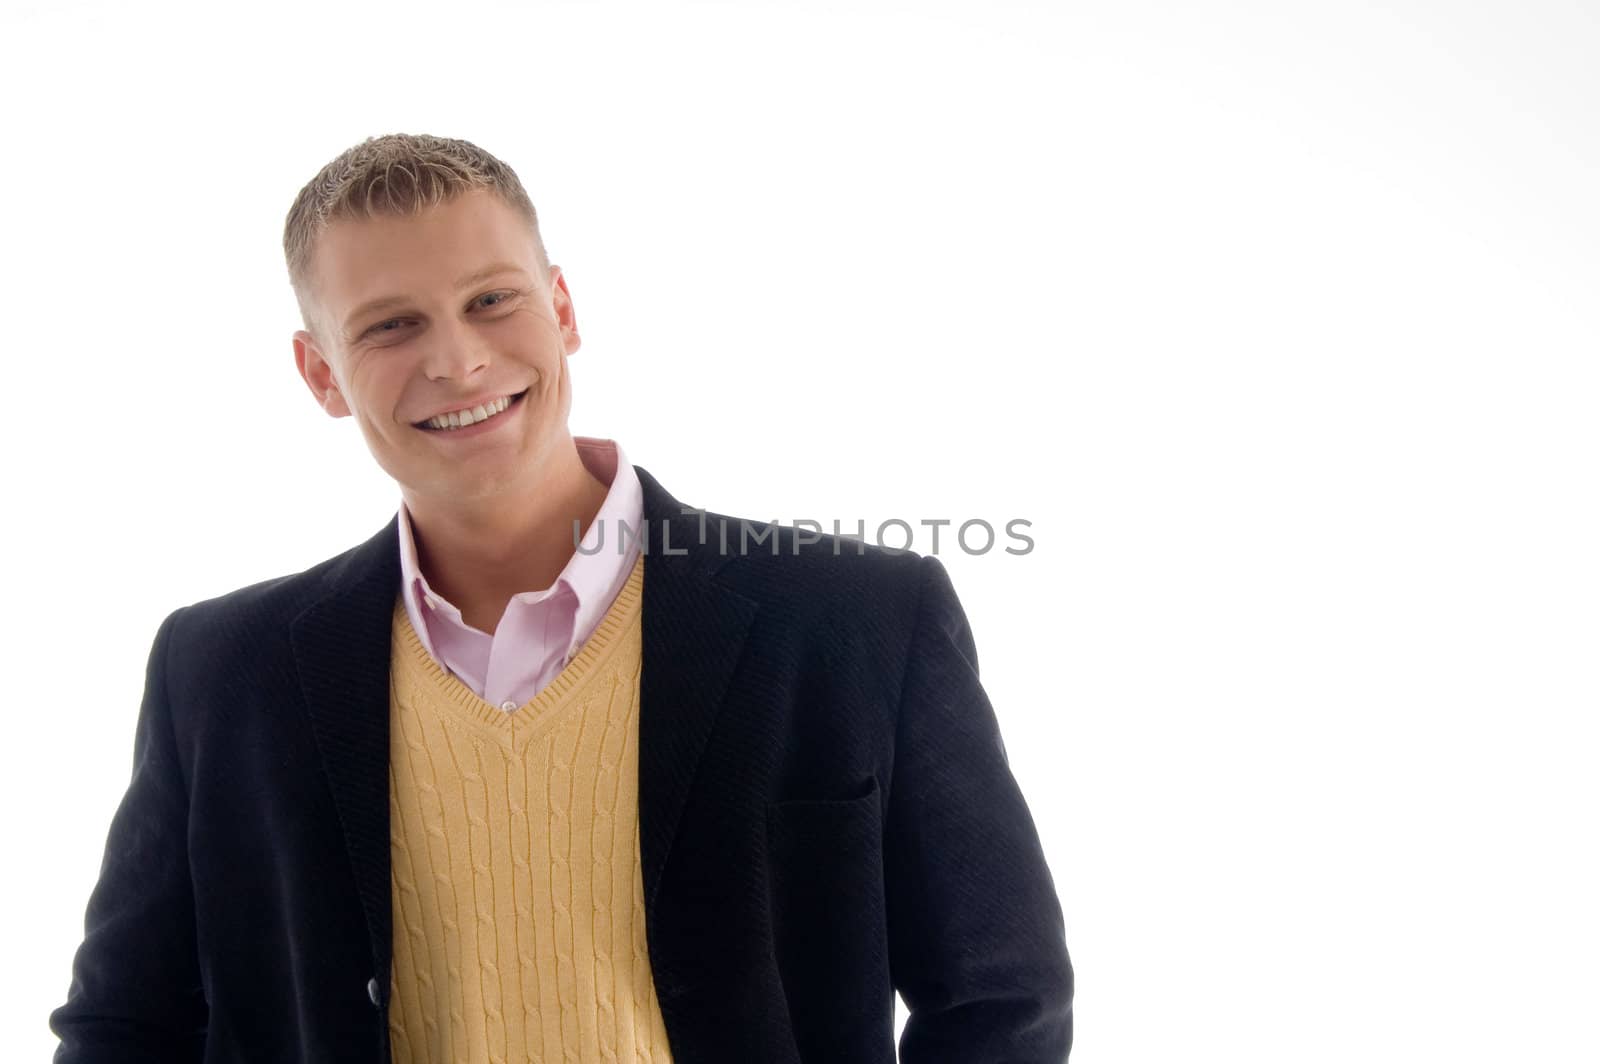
(566, 316)
(318, 375)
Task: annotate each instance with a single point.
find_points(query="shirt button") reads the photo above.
(372, 992)
(508, 705)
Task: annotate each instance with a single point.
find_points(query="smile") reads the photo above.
(456, 420)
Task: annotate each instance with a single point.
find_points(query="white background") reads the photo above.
(1277, 321)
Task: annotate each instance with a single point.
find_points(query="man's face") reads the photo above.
(449, 340)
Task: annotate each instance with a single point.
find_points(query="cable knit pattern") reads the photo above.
(517, 885)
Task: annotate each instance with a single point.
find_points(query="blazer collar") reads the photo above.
(693, 631)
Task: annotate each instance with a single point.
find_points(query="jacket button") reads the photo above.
(372, 992)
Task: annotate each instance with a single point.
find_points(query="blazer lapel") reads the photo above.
(341, 647)
(693, 632)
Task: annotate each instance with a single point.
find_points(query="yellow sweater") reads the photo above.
(518, 892)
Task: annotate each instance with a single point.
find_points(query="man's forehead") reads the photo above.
(463, 235)
(362, 276)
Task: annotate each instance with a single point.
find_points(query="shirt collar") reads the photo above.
(592, 575)
(597, 576)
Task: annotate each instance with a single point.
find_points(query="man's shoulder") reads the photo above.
(808, 572)
(270, 604)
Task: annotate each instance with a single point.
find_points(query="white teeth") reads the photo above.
(463, 418)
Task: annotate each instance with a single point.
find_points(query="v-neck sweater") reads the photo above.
(518, 893)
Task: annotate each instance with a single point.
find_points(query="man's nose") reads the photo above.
(454, 355)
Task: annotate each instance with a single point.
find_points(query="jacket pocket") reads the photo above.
(825, 876)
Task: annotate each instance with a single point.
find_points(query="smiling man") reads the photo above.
(542, 770)
(450, 335)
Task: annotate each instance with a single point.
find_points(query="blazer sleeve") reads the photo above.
(135, 995)
(976, 935)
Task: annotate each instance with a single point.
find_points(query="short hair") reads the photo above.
(393, 175)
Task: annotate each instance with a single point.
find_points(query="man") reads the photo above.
(467, 792)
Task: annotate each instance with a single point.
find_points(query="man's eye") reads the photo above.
(391, 321)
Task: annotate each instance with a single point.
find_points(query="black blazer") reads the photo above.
(826, 816)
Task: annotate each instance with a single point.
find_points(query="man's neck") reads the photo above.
(479, 556)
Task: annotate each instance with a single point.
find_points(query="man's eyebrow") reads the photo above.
(468, 281)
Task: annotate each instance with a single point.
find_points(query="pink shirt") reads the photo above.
(540, 631)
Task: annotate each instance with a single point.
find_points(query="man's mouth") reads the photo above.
(460, 419)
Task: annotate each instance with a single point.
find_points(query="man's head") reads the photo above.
(424, 287)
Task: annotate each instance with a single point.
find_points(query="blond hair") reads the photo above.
(392, 175)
